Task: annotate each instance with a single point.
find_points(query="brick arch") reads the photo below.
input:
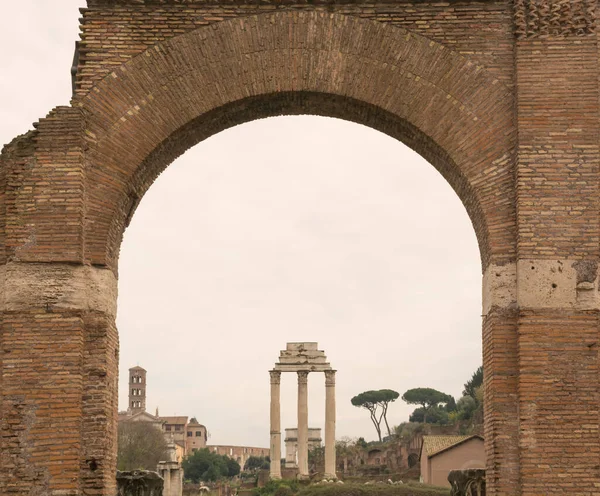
(153, 108)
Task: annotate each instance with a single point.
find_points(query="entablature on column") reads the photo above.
(302, 357)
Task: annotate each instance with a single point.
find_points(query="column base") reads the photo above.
(330, 476)
(303, 477)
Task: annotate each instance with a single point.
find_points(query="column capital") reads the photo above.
(275, 376)
(302, 376)
(330, 377)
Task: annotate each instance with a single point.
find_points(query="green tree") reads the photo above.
(140, 445)
(426, 397)
(451, 405)
(479, 395)
(204, 465)
(316, 457)
(472, 384)
(197, 465)
(233, 467)
(435, 415)
(257, 463)
(466, 407)
(376, 402)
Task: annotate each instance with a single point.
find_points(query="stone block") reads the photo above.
(139, 483)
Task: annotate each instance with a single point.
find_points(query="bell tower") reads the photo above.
(137, 390)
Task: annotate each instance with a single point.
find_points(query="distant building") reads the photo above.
(239, 453)
(129, 416)
(441, 454)
(188, 436)
(291, 444)
(196, 436)
(137, 390)
(174, 428)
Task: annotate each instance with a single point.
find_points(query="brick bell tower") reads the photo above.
(137, 390)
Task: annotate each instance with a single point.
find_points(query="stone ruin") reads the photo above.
(139, 483)
(303, 358)
(470, 482)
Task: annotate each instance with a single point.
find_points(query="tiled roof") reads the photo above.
(432, 445)
(175, 420)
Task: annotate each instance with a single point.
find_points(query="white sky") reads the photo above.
(285, 229)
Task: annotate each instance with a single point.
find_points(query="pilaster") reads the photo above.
(59, 366)
(558, 194)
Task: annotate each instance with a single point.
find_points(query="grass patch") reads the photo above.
(292, 488)
(282, 487)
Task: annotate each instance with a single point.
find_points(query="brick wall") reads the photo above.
(500, 96)
(115, 31)
(429, 97)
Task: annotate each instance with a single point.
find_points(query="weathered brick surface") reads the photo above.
(16, 157)
(501, 424)
(500, 96)
(137, 112)
(559, 150)
(558, 402)
(41, 416)
(100, 365)
(44, 197)
(112, 35)
(558, 219)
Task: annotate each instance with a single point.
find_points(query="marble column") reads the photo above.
(167, 482)
(303, 424)
(275, 424)
(330, 425)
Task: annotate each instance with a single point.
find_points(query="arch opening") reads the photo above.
(199, 155)
(169, 98)
(300, 103)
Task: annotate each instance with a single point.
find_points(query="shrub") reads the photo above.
(273, 488)
(409, 489)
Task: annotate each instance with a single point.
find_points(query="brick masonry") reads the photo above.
(500, 96)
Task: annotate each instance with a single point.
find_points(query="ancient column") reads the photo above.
(330, 424)
(275, 424)
(167, 482)
(302, 424)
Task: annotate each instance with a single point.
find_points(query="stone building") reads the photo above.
(171, 472)
(291, 444)
(195, 436)
(128, 416)
(302, 358)
(441, 454)
(175, 429)
(137, 390)
(239, 453)
(395, 455)
(186, 436)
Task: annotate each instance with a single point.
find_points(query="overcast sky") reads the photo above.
(284, 229)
